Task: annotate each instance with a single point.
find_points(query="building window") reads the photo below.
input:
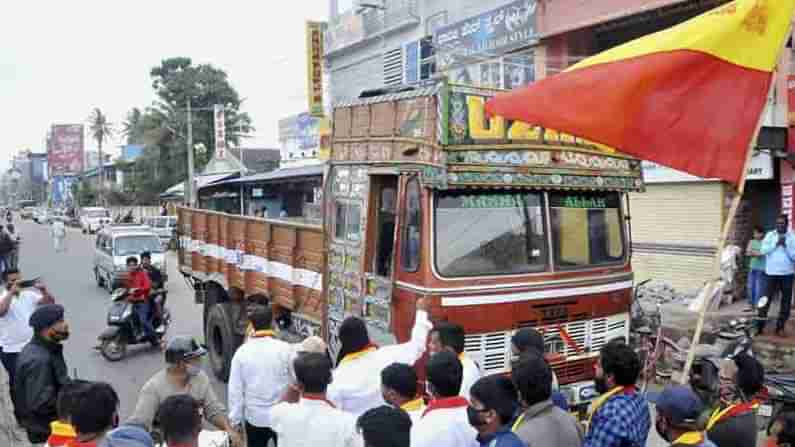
(420, 63)
(347, 222)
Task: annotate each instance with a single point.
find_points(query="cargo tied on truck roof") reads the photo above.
(500, 224)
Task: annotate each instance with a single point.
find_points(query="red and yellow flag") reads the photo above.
(688, 97)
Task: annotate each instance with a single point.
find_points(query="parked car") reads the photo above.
(165, 228)
(92, 219)
(115, 243)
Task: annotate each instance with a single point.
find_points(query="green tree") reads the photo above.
(132, 127)
(101, 130)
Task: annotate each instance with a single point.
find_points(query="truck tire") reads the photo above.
(221, 341)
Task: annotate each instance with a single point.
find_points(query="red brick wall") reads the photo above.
(558, 16)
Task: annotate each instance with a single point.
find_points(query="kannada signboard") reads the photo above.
(314, 67)
(220, 131)
(760, 168)
(65, 152)
(492, 33)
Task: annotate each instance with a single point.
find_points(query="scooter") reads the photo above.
(125, 328)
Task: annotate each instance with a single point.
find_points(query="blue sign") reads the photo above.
(492, 33)
(62, 190)
(131, 152)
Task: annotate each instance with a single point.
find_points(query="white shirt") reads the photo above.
(258, 379)
(414, 409)
(444, 427)
(15, 330)
(471, 374)
(356, 387)
(313, 423)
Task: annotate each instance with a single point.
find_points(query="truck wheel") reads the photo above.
(220, 340)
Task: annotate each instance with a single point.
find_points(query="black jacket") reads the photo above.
(736, 431)
(41, 372)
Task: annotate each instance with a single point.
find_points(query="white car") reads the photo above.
(92, 219)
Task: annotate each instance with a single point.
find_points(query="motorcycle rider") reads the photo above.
(139, 284)
(182, 375)
(156, 278)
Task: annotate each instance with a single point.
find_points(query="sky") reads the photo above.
(60, 59)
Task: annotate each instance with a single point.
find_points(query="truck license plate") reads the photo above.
(766, 410)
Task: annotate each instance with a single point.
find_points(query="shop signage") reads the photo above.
(220, 131)
(760, 168)
(495, 32)
(314, 62)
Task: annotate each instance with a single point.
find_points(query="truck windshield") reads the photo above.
(505, 232)
(586, 229)
(135, 245)
(490, 233)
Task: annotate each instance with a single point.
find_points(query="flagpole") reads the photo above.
(727, 225)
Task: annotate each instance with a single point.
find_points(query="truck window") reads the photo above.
(347, 221)
(410, 256)
(488, 233)
(586, 229)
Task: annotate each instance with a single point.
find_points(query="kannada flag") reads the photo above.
(688, 97)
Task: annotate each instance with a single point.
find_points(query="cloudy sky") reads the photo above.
(60, 59)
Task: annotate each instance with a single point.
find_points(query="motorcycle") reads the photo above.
(124, 326)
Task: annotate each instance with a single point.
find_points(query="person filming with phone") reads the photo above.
(18, 300)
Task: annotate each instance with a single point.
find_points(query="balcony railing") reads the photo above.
(351, 28)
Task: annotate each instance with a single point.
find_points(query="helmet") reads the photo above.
(183, 348)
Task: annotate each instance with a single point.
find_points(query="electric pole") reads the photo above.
(189, 187)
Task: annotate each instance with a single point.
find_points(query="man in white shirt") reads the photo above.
(399, 389)
(258, 378)
(314, 421)
(357, 379)
(445, 422)
(16, 307)
(447, 336)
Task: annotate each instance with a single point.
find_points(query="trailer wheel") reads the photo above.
(220, 340)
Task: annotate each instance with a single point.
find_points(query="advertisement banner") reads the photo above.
(791, 120)
(314, 67)
(492, 33)
(220, 131)
(66, 149)
(38, 169)
(62, 190)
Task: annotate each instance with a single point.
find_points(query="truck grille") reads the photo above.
(492, 350)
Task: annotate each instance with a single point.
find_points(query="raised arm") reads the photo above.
(412, 350)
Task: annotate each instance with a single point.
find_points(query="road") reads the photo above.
(68, 276)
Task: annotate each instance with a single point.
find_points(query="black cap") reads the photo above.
(45, 316)
(183, 348)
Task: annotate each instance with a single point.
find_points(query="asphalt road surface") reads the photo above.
(70, 279)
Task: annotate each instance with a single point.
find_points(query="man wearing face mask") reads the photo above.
(41, 372)
(778, 248)
(620, 416)
(678, 410)
(183, 375)
(492, 406)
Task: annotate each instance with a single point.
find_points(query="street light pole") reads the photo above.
(189, 187)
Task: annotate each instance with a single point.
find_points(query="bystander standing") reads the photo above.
(778, 247)
(756, 268)
(678, 409)
(451, 337)
(385, 426)
(492, 406)
(399, 388)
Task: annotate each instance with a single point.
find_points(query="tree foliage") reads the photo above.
(162, 127)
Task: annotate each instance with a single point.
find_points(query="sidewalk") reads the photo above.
(10, 433)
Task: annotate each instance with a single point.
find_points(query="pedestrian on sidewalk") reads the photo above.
(678, 409)
(13, 256)
(182, 375)
(58, 232)
(258, 378)
(314, 420)
(541, 422)
(451, 337)
(445, 422)
(756, 267)
(399, 388)
(41, 372)
(491, 411)
(16, 307)
(6, 247)
(180, 421)
(620, 416)
(357, 379)
(385, 426)
(778, 247)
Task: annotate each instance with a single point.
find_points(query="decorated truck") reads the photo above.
(500, 224)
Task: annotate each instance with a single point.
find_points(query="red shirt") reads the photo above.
(139, 279)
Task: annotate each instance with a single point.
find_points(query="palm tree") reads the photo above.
(101, 129)
(132, 126)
